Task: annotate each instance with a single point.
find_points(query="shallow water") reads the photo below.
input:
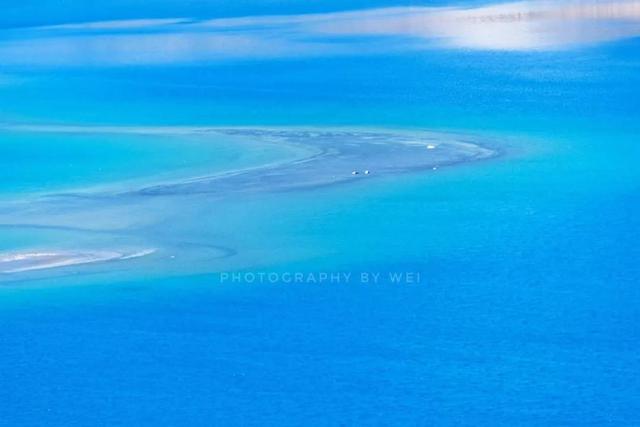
(40, 160)
(177, 221)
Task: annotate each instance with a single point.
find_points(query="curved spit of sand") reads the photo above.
(334, 157)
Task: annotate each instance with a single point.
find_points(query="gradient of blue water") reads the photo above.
(528, 313)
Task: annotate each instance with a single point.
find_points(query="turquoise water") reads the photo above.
(41, 162)
(527, 306)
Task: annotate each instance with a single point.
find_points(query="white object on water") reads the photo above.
(366, 172)
(435, 168)
(354, 173)
(430, 147)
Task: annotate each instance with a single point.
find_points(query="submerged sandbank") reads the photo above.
(152, 216)
(333, 157)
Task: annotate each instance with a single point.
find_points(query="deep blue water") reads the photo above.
(528, 306)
